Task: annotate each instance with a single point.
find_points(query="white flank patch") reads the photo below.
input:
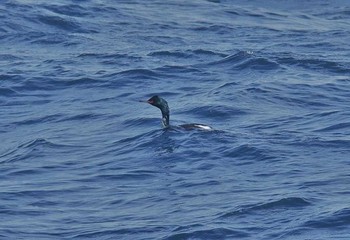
(205, 127)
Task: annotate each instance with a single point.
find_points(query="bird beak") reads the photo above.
(147, 101)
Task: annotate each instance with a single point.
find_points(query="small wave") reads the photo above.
(43, 143)
(208, 53)
(335, 14)
(21, 212)
(39, 120)
(4, 77)
(80, 117)
(245, 60)
(217, 28)
(128, 176)
(289, 202)
(119, 233)
(187, 54)
(258, 13)
(335, 127)
(198, 184)
(30, 150)
(258, 64)
(283, 204)
(140, 121)
(306, 98)
(214, 233)
(68, 10)
(36, 143)
(323, 142)
(167, 69)
(339, 218)
(315, 64)
(228, 85)
(177, 54)
(69, 25)
(86, 81)
(20, 7)
(52, 83)
(139, 73)
(48, 39)
(138, 138)
(108, 56)
(7, 92)
(248, 152)
(9, 57)
(326, 113)
(188, 89)
(232, 59)
(216, 112)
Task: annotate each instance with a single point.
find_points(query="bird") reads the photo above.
(162, 104)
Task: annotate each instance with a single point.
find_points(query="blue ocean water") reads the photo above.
(81, 158)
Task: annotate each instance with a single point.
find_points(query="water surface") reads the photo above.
(81, 158)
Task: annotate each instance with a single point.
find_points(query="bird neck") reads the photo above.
(164, 108)
(165, 117)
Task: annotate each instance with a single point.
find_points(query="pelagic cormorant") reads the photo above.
(164, 108)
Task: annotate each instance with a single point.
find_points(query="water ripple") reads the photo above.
(339, 218)
(245, 60)
(213, 233)
(81, 158)
(282, 204)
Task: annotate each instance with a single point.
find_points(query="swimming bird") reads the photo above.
(164, 108)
